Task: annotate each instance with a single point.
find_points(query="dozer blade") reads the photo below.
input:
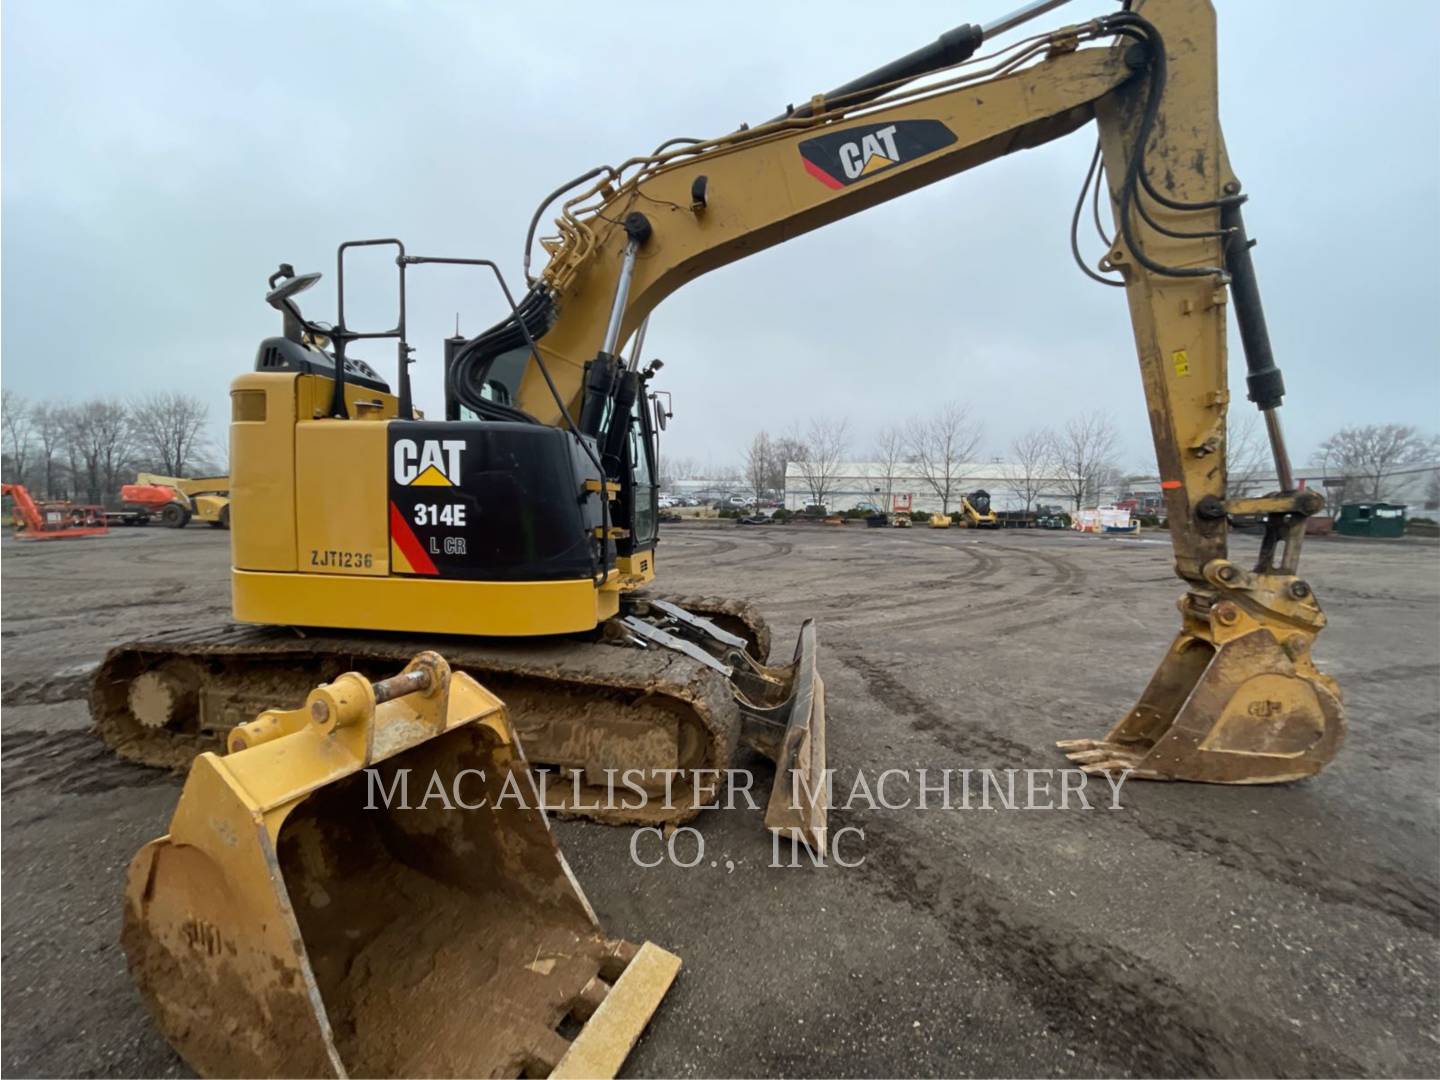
(367, 887)
(783, 711)
(1236, 700)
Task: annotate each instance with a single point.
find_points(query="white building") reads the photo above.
(1412, 486)
(864, 483)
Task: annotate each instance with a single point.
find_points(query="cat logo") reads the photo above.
(870, 153)
(431, 463)
(841, 158)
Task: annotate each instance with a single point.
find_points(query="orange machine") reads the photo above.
(53, 520)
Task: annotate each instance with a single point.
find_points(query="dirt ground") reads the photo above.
(1196, 931)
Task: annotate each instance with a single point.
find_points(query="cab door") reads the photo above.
(639, 490)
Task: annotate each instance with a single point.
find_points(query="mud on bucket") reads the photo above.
(293, 924)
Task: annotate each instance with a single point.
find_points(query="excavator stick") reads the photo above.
(1236, 699)
(367, 886)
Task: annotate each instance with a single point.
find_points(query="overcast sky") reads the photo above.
(160, 158)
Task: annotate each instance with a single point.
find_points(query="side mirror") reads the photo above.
(663, 410)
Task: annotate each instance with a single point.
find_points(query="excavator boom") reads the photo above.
(1148, 78)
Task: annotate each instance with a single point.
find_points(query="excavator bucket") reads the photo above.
(1236, 700)
(367, 886)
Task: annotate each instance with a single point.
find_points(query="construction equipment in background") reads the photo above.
(367, 886)
(1106, 519)
(52, 519)
(901, 507)
(875, 518)
(975, 511)
(537, 519)
(940, 521)
(175, 501)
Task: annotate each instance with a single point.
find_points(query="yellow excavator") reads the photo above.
(518, 534)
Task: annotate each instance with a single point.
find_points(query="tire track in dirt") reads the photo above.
(70, 581)
(1341, 881)
(1373, 888)
(1088, 989)
(982, 567)
(170, 556)
(1068, 576)
(925, 717)
(718, 547)
(72, 761)
(778, 550)
(67, 684)
(157, 597)
(1396, 673)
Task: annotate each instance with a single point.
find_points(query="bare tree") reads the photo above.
(783, 451)
(170, 429)
(759, 465)
(1034, 457)
(70, 442)
(17, 421)
(1084, 451)
(102, 434)
(1247, 455)
(1366, 457)
(940, 446)
(826, 439)
(673, 469)
(50, 438)
(889, 456)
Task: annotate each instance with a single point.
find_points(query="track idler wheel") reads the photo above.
(159, 698)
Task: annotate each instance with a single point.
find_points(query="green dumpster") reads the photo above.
(1371, 519)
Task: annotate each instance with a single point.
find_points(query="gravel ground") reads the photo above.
(1195, 931)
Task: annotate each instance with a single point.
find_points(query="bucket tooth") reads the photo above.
(370, 887)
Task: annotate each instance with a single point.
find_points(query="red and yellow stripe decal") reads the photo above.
(407, 556)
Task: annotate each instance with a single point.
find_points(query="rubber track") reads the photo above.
(254, 664)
